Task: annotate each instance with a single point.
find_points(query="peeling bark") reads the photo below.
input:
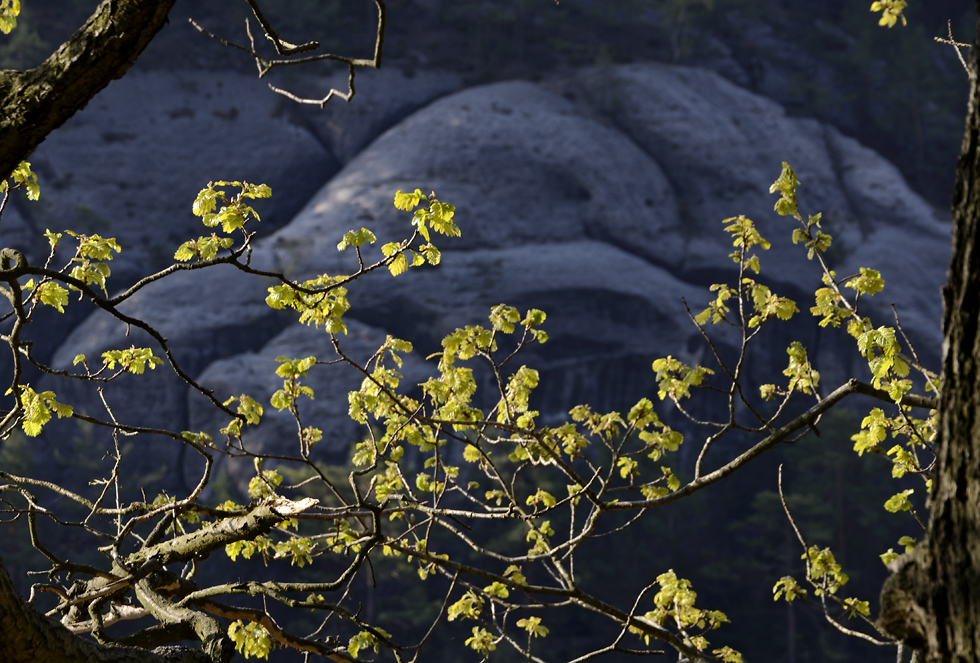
(35, 102)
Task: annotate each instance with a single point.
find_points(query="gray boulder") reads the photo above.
(130, 165)
(599, 199)
(382, 99)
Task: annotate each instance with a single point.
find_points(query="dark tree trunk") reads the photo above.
(29, 637)
(954, 529)
(34, 103)
(933, 601)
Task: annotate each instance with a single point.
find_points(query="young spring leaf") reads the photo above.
(891, 12)
(409, 201)
(786, 185)
(22, 176)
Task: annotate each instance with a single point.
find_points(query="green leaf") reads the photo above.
(297, 549)
(496, 589)
(432, 255)
(408, 201)
(868, 283)
(199, 438)
(134, 360)
(899, 501)
(514, 574)
(676, 379)
(728, 655)
(534, 318)
(256, 190)
(533, 626)
(361, 641)
(96, 247)
(802, 376)
(38, 409)
(767, 304)
(717, 309)
(651, 492)
(889, 556)
(469, 606)
(786, 185)
(399, 265)
(543, 498)
(203, 248)
(9, 11)
(823, 566)
(263, 485)
(788, 587)
(250, 639)
(504, 318)
(745, 236)
(186, 251)
(855, 607)
(471, 454)
(248, 407)
(280, 400)
(22, 176)
(233, 214)
(642, 415)
(627, 467)
(205, 202)
(53, 295)
(294, 368)
(828, 305)
(356, 238)
(908, 542)
(482, 641)
(891, 11)
(230, 218)
(441, 218)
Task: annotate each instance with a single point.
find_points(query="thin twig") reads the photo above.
(956, 46)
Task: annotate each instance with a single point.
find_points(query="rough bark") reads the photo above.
(35, 102)
(933, 601)
(954, 529)
(29, 637)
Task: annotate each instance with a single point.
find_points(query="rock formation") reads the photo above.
(597, 198)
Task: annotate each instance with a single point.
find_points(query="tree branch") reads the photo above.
(35, 102)
(30, 637)
(852, 386)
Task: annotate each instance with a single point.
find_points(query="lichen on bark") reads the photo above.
(35, 102)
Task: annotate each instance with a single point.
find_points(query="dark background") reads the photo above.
(897, 91)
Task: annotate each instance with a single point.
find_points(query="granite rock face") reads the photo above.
(597, 198)
(130, 164)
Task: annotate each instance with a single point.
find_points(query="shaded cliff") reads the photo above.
(597, 197)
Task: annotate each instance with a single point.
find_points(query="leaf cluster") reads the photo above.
(461, 481)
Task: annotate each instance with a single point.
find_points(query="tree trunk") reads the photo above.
(954, 528)
(933, 601)
(28, 636)
(34, 103)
